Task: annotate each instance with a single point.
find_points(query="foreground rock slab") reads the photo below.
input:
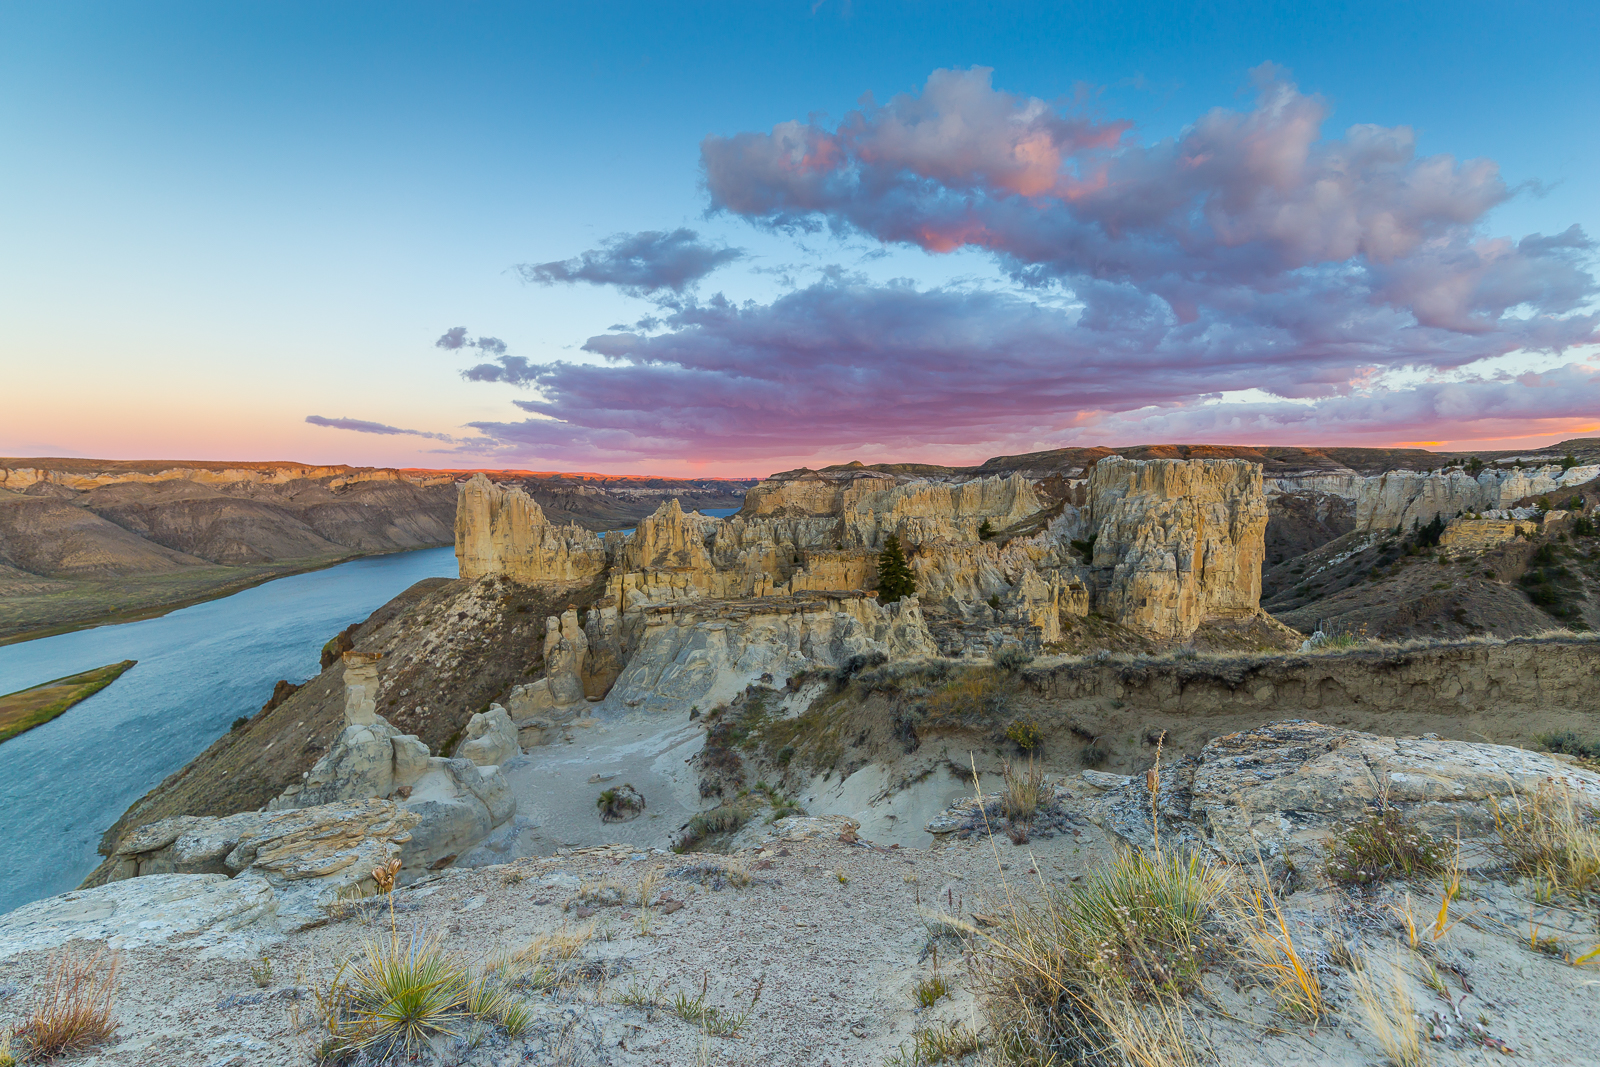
(195, 909)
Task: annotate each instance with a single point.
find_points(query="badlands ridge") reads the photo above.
(575, 706)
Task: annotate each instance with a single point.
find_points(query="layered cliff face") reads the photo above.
(1400, 498)
(1183, 541)
(697, 607)
(501, 531)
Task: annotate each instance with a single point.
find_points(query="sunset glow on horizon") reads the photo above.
(622, 241)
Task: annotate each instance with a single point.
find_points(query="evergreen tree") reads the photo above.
(894, 576)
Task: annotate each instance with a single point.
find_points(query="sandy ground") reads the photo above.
(835, 960)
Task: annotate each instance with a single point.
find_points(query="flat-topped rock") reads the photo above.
(198, 910)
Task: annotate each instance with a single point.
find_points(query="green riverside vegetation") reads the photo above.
(23, 710)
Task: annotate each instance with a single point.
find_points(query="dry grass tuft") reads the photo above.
(1269, 949)
(1023, 791)
(1549, 840)
(1076, 974)
(648, 886)
(74, 1014)
(1391, 1016)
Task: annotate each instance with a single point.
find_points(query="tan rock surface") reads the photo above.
(1177, 542)
(503, 531)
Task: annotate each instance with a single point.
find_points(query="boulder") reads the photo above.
(491, 738)
(1284, 788)
(306, 858)
(194, 910)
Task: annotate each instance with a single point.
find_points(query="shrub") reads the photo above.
(722, 819)
(1026, 734)
(985, 530)
(1571, 744)
(74, 1013)
(240, 723)
(1381, 846)
(1012, 658)
(1094, 756)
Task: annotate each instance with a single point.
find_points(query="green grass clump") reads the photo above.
(943, 1042)
(1381, 846)
(929, 990)
(389, 1002)
(1569, 743)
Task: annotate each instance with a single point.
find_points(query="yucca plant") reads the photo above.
(401, 992)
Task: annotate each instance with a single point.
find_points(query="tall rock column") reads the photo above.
(1177, 541)
(504, 531)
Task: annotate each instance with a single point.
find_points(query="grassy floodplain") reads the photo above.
(23, 710)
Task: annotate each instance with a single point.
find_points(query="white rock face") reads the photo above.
(306, 858)
(700, 655)
(502, 531)
(453, 799)
(1400, 498)
(491, 738)
(195, 910)
(1177, 541)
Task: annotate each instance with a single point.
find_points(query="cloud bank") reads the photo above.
(363, 426)
(1250, 252)
(646, 264)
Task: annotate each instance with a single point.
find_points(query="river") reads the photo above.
(200, 668)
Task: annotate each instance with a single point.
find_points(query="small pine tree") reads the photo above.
(894, 576)
(1569, 461)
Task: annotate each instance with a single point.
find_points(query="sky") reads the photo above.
(730, 239)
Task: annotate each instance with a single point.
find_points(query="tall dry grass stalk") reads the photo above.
(1549, 839)
(1270, 948)
(74, 1013)
(1391, 1016)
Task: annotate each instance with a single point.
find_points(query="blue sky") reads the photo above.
(223, 218)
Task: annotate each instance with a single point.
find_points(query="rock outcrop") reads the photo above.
(491, 738)
(307, 859)
(1177, 541)
(198, 911)
(1477, 535)
(503, 531)
(1281, 790)
(456, 802)
(1400, 498)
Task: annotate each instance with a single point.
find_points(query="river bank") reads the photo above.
(200, 668)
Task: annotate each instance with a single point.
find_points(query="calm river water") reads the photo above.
(63, 783)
